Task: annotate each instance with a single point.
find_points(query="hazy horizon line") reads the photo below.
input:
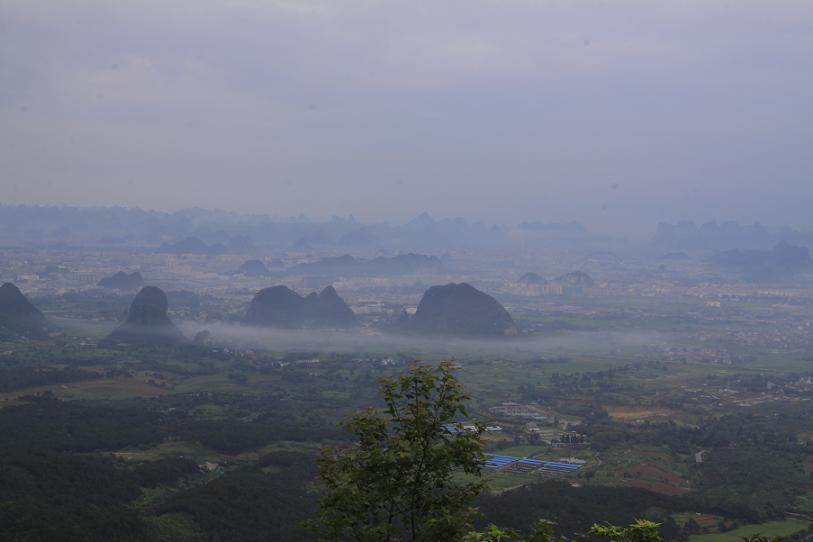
(305, 217)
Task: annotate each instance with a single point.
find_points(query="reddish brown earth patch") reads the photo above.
(648, 471)
(657, 487)
(659, 456)
(631, 413)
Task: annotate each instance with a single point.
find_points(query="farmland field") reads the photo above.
(769, 529)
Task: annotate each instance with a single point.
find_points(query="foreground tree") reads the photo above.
(544, 531)
(640, 531)
(762, 538)
(413, 473)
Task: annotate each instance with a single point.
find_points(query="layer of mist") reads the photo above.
(364, 340)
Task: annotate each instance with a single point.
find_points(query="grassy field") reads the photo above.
(781, 362)
(804, 503)
(200, 453)
(191, 450)
(99, 389)
(501, 378)
(502, 481)
(770, 529)
(646, 467)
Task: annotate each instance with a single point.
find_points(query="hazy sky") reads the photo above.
(614, 113)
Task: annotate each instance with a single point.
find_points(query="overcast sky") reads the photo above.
(614, 113)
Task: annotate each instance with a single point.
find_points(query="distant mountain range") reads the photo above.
(782, 261)
(253, 268)
(532, 278)
(212, 232)
(147, 321)
(279, 306)
(575, 280)
(687, 235)
(578, 279)
(18, 317)
(455, 310)
(458, 310)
